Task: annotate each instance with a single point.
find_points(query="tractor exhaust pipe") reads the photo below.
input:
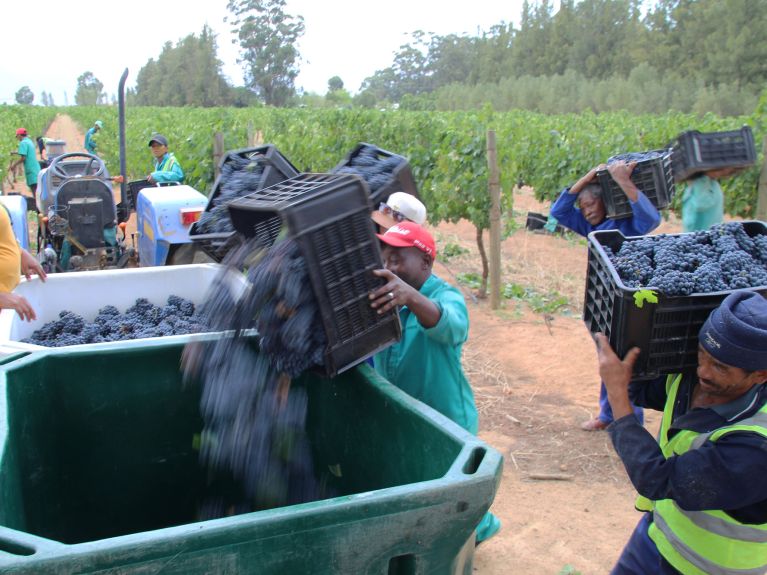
(121, 126)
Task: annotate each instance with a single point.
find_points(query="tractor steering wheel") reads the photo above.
(59, 171)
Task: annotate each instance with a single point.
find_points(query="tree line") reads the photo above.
(600, 55)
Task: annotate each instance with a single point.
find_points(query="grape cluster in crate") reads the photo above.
(723, 257)
(143, 319)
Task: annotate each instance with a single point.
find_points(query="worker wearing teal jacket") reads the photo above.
(27, 156)
(90, 141)
(703, 200)
(166, 167)
(426, 362)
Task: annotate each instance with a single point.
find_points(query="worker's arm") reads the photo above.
(717, 476)
(18, 303)
(30, 265)
(564, 209)
(566, 214)
(645, 216)
(396, 292)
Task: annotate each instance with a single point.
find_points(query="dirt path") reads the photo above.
(535, 380)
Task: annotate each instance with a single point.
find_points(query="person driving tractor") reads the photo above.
(166, 167)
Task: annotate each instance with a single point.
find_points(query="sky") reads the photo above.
(48, 44)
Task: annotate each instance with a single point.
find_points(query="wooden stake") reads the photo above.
(218, 152)
(495, 222)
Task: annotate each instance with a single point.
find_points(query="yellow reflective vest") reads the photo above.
(706, 542)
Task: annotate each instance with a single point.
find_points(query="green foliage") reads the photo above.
(569, 570)
(549, 302)
(187, 74)
(446, 150)
(471, 280)
(34, 118)
(451, 250)
(24, 95)
(90, 90)
(267, 38)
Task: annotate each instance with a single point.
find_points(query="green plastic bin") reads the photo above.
(99, 474)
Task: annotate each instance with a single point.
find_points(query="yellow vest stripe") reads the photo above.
(692, 563)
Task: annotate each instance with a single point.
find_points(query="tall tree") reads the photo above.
(187, 74)
(335, 83)
(267, 37)
(90, 90)
(24, 95)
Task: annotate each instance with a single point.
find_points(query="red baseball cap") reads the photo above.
(21, 132)
(409, 235)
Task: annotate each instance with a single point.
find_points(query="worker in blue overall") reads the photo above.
(582, 209)
(702, 483)
(426, 362)
(166, 166)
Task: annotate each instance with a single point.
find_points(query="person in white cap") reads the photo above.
(399, 207)
(90, 140)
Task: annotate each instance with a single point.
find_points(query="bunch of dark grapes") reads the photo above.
(239, 176)
(253, 409)
(143, 319)
(721, 258)
(375, 169)
(635, 157)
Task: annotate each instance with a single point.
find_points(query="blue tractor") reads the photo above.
(79, 227)
(82, 228)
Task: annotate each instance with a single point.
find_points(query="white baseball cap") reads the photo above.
(399, 206)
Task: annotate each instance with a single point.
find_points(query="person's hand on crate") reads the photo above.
(586, 179)
(30, 266)
(396, 292)
(621, 173)
(19, 303)
(616, 375)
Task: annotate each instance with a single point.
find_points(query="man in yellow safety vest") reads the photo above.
(703, 484)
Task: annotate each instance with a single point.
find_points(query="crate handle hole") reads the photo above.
(15, 548)
(402, 565)
(474, 460)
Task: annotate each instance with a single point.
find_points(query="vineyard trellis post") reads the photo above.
(218, 151)
(495, 221)
(761, 191)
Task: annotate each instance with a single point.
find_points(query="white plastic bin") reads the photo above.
(84, 293)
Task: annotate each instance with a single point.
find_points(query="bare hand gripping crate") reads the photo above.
(666, 332)
(329, 216)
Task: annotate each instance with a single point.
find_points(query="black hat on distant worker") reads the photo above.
(160, 139)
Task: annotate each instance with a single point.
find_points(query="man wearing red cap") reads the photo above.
(702, 484)
(426, 362)
(28, 157)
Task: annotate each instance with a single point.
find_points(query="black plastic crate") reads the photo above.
(329, 216)
(537, 222)
(400, 179)
(654, 177)
(276, 168)
(695, 152)
(666, 332)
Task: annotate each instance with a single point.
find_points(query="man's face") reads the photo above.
(158, 150)
(722, 381)
(409, 264)
(592, 208)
